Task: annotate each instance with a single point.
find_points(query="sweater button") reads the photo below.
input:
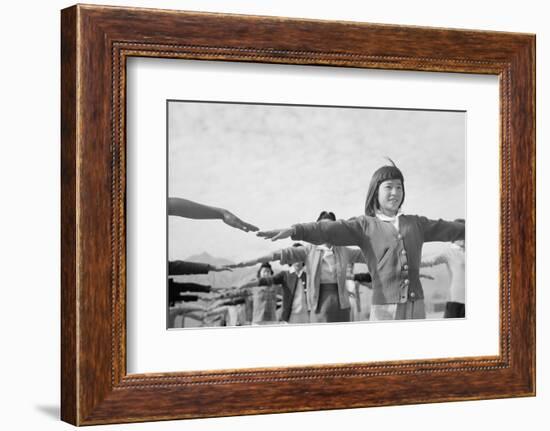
(403, 252)
(405, 267)
(406, 281)
(412, 295)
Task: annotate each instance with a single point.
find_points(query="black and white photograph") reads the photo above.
(299, 214)
(197, 229)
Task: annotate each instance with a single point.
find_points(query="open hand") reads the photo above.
(232, 220)
(276, 234)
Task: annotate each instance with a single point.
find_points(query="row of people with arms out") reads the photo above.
(384, 238)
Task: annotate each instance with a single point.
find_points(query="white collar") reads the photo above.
(384, 217)
(393, 220)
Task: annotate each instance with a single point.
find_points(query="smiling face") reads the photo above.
(390, 196)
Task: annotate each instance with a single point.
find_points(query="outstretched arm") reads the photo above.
(216, 313)
(265, 281)
(189, 209)
(277, 234)
(182, 267)
(183, 309)
(253, 283)
(441, 230)
(219, 268)
(262, 259)
(340, 232)
(434, 260)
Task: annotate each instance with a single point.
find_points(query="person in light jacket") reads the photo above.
(454, 258)
(327, 295)
(391, 243)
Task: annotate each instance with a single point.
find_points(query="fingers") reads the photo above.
(239, 224)
(273, 235)
(247, 227)
(267, 234)
(234, 221)
(280, 235)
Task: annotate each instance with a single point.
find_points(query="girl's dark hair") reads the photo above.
(326, 215)
(382, 174)
(264, 265)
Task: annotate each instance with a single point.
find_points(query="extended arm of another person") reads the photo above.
(193, 210)
(182, 267)
(222, 310)
(265, 281)
(285, 256)
(270, 257)
(183, 309)
(340, 232)
(196, 315)
(433, 260)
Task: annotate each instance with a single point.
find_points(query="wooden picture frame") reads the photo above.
(95, 43)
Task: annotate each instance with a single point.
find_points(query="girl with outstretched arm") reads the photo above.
(391, 243)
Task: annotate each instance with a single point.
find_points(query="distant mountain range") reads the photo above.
(204, 257)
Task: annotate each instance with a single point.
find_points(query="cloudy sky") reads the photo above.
(278, 165)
